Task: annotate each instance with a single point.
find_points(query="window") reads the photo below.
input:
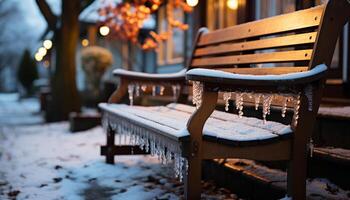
(220, 15)
(170, 51)
(268, 8)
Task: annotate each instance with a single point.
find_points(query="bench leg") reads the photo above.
(110, 145)
(193, 179)
(296, 177)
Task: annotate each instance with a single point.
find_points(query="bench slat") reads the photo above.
(264, 71)
(278, 24)
(277, 42)
(275, 57)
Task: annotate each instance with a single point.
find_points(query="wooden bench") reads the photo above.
(298, 45)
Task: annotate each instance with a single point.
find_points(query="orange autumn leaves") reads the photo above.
(126, 19)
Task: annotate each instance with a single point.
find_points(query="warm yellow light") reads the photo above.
(42, 51)
(104, 30)
(46, 63)
(47, 44)
(85, 42)
(232, 4)
(155, 7)
(192, 3)
(38, 57)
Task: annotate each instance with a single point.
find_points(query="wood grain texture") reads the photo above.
(275, 57)
(278, 24)
(276, 42)
(264, 71)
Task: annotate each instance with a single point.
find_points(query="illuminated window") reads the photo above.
(170, 51)
(220, 15)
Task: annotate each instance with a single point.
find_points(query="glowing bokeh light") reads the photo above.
(38, 57)
(47, 44)
(192, 3)
(42, 51)
(104, 30)
(232, 4)
(85, 42)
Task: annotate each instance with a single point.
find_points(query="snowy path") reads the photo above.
(18, 112)
(46, 161)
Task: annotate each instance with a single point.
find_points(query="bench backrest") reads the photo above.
(291, 42)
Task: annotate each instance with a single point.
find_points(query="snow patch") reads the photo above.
(283, 77)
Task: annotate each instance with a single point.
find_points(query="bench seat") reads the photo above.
(170, 121)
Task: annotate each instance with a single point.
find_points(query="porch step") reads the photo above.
(257, 181)
(333, 127)
(331, 154)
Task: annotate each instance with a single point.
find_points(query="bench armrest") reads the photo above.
(148, 77)
(221, 80)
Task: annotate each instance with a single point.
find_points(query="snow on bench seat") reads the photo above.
(177, 75)
(170, 122)
(218, 75)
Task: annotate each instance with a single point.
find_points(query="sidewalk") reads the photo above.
(19, 112)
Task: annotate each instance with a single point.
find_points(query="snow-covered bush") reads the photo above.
(95, 61)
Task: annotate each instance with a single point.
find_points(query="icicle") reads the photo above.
(162, 154)
(137, 90)
(120, 139)
(239, 104)
(250, 95)
(257, 100)
(284, 107)
(131, 88)
(311, 148)
(267, 99)
(162, 147)
(182, 162)
(143, 88)
(179, 166)
(296, 111)
(227, 97)
(162, 88)
(168, 156)
(176, 91)
(125, 137)
(154, 90)
(197, 93)
(147, 145)
(308, 93)
(269, 104)
(153, 148)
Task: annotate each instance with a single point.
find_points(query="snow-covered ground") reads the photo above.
(46, 161)
(14, 111)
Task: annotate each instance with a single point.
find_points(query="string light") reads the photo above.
(42, 51)
(47, 44)
(85, 42)
(192, 3)
(126, 19)
(104, 30)
(46, 63)
(38, 57)
(232, 4)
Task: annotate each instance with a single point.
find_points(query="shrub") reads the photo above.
(27, 72)
(95, 61)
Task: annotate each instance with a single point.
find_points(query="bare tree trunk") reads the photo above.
(65, 96)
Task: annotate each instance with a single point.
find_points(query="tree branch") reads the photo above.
(46, 11)
(84, 4)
